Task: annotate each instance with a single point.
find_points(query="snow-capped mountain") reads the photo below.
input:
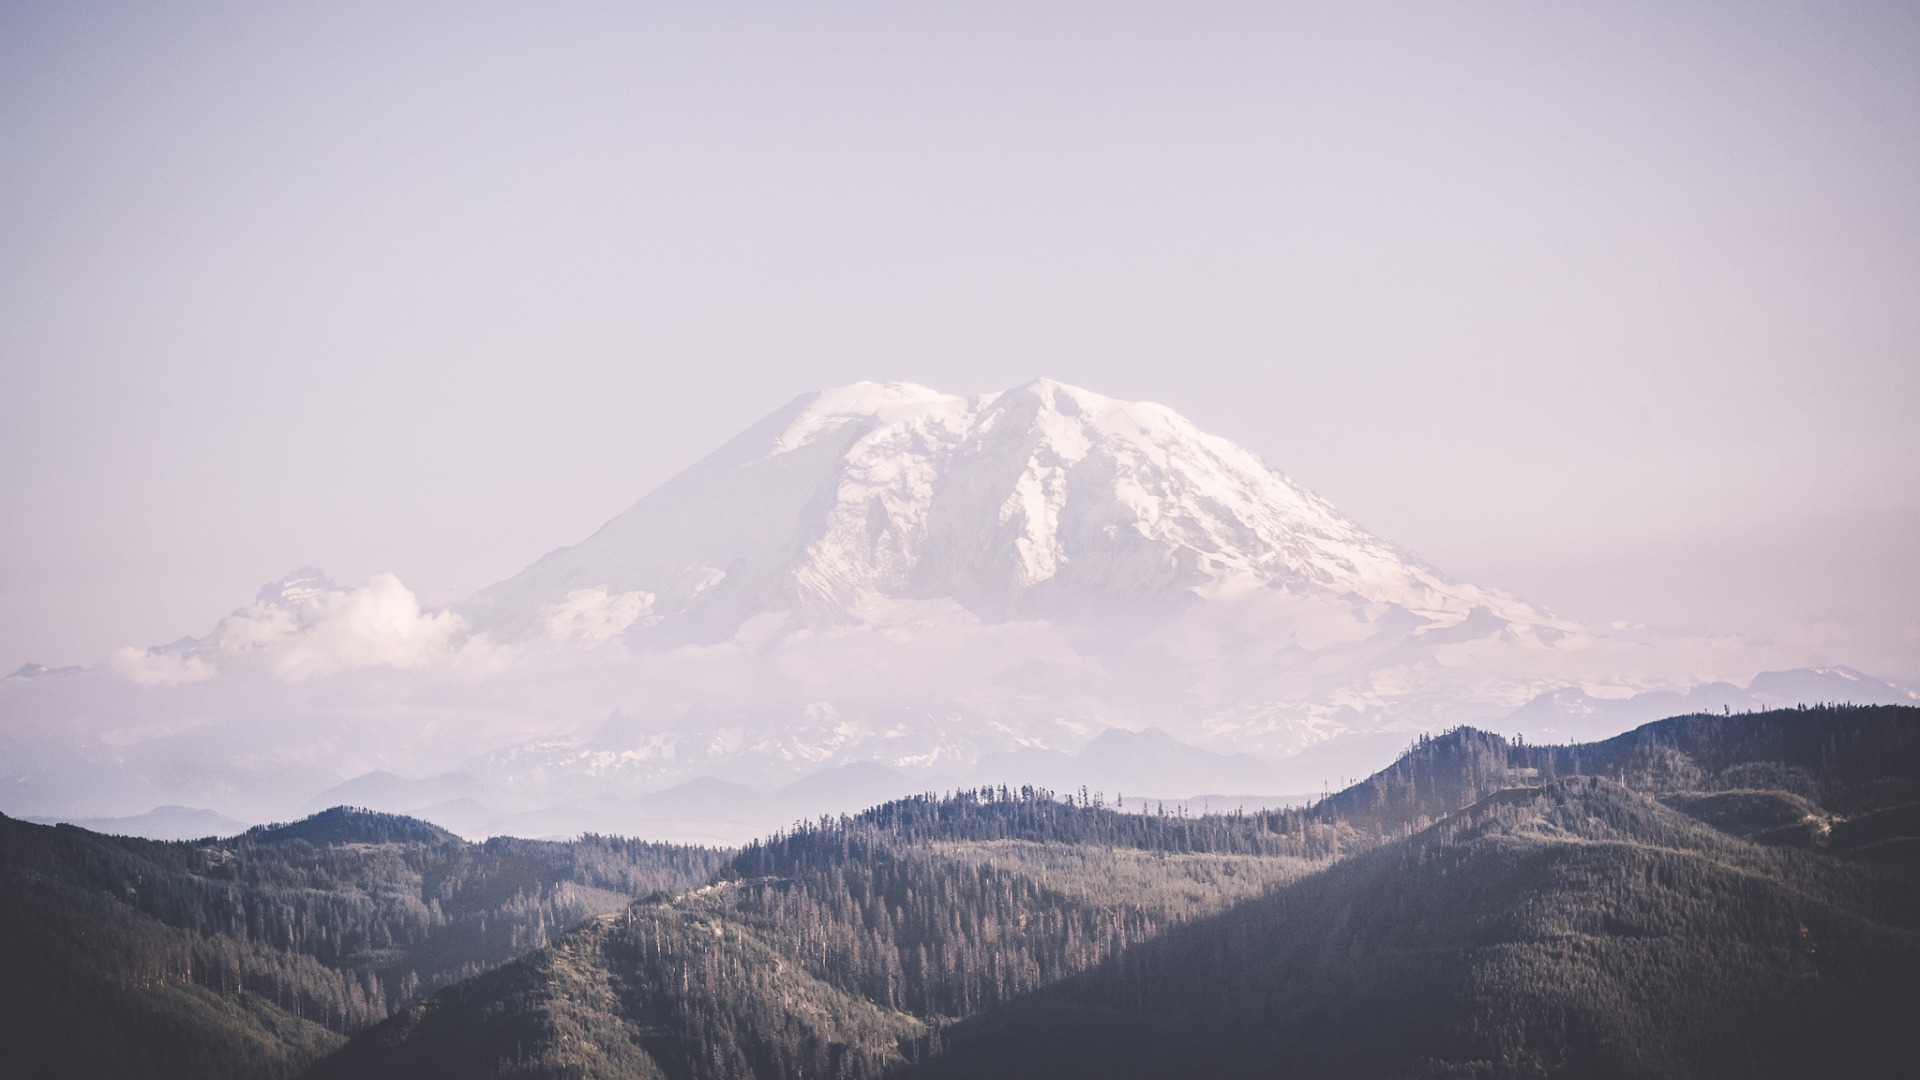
(923, 586)
(1066, 561)
(1043, 501)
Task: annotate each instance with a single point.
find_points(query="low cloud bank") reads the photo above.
(305, 626)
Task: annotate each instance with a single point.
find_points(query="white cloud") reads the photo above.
(258, 628)
(151, 667)
(594, 615)
(303, 627)
(380, 625)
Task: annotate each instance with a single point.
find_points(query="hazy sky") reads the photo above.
(1613, 305)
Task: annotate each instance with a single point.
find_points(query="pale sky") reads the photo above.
(1616, 306)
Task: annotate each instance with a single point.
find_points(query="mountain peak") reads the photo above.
(352, 825)
(870, 402)
(300, 586)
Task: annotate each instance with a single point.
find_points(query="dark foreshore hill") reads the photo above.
(1703, 896)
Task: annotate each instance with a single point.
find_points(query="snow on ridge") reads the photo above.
(826, 410)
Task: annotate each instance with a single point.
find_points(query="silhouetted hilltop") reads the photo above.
(1849, 758)
(353, 825)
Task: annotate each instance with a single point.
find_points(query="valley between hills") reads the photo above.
(1707, 895)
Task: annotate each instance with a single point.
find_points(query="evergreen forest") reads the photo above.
(1702, 896)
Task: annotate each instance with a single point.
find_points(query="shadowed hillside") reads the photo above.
(1580, 929)
(1704, 896)
(1848, 759)
(842, 948)
(1478, 908)
(251, 956)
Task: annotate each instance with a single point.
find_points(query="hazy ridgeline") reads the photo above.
(1708, 895)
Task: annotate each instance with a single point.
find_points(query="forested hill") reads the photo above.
(1729, 895)
(250, 956)
(1707, 895)
(1846, 758)
(842, 948)
(1577, 929)
(1704, 896)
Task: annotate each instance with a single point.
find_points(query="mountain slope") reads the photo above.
(252, 955)
(1480, 908)
(1589, 910)
(840, 950)
(1854, 759)
(92, 987)
(1579, 929)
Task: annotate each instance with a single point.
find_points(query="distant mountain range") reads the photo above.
(160, 823)
(875, 584)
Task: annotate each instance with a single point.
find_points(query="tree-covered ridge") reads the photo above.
(1038, 815)
(1581, 929)
(1847, 759)
(833, 950)
(1675, 901)
(1478, 908)
(91, 987)
(327, 923)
